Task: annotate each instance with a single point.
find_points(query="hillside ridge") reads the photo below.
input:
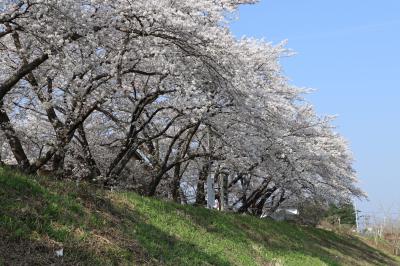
(39, 215)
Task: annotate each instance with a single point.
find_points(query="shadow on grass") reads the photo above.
(42, 252)
(91, 228)
(285, 238)
(164, 248)
(97, 229)
(350, 246)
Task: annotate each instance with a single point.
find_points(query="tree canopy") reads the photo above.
(157, 95)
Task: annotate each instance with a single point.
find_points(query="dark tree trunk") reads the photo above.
(276, 204)
(223, 199)
(94, 169)
(200, 192)
(58, 162)
(14, 142)
(259, 207)
(176, 183)
(9, 83)
(255, 196)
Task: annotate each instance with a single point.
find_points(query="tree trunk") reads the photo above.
(255, 196)
(14, 142)
(176, 183)
(200, 192)
(58, 162)
(276, 205)
(259, 207)
(9, 83)
(94, 169)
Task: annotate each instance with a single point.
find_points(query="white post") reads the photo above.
(357, 225)
(210, 179)
(210, 192)
(222, 192)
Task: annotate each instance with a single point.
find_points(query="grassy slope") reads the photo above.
(38, 216)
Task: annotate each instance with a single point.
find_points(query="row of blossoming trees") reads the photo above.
(157, 96)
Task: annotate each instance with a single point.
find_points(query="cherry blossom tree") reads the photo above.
(157, 96)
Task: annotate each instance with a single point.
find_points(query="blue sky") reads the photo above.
(349, 51)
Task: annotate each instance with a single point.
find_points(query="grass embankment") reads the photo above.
(94, 227)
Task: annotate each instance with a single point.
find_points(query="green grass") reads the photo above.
(39, 215)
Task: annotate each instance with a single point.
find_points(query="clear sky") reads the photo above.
(349, 51)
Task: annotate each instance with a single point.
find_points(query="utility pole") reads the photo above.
(221, 192)
(210, 192)
(356, 212)
(383, 226)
